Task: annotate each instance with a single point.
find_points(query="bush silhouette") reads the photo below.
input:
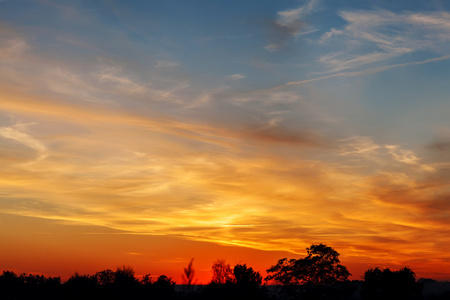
(387, 284)
(124, 277)
(29, 286)
(246, 277)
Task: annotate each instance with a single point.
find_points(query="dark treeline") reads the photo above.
(319, 275)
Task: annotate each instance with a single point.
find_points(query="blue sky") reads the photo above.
(233, 122)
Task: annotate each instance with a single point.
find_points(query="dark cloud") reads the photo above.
(138, 222)
(438, 150)
(437, 206)
(425, 201)
(280, 135)
(443, 145)
(271, 118)
(278, 34)
(386, 240)
(194, 229)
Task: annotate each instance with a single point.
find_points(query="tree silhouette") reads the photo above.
(189, 273)
(283, 272)
(312, 277)
(124, 276)
(246, 276)
(84, 280)
(163, 288)
(247, 283)
(321, 266)
(222, 272)
(81, 286)
(164, 282)
(29, 286)
(10, 283)
(105, 277)
(146, 279)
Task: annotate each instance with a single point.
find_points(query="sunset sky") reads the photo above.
(147, 133)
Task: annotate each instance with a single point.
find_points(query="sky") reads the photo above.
(147, 133)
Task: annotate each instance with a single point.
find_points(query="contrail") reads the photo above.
(362, 72)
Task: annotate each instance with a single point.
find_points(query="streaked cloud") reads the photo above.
(367, 71)
(386, 34)
(166, 64)
(235, 77)
(11, 48)
(289, 23)
(17, 134)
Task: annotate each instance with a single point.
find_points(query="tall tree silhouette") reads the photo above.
(189, 273)
(321, 266)
(222, 272)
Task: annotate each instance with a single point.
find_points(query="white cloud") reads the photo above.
(127, 83)
(272, 47)
(289, 23)
(439, 20)
(377, 36)
(112, 74)
(68, 83)
(388, 155)
(12, 48)
(166, 64)
(402, 155)
(364, 72)
(15, 133)
(359, 146)
(331, 33)
(284, 97)
(291, 16)
(235, 77)
(339, 64)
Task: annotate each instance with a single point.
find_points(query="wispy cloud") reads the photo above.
(388, 35)
(166, 64)
(11, 48)
(16, 133)
(235, 77)
(289, 23)
(367, 71)
(124, 83)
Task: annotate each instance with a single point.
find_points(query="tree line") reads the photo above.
(319, 275)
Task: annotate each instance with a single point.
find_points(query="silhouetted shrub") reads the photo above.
(124, 277)
(81, 287)
(387, 284)
(246, 277)
(163, 288)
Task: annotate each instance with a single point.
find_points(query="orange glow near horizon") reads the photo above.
(221, 199)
